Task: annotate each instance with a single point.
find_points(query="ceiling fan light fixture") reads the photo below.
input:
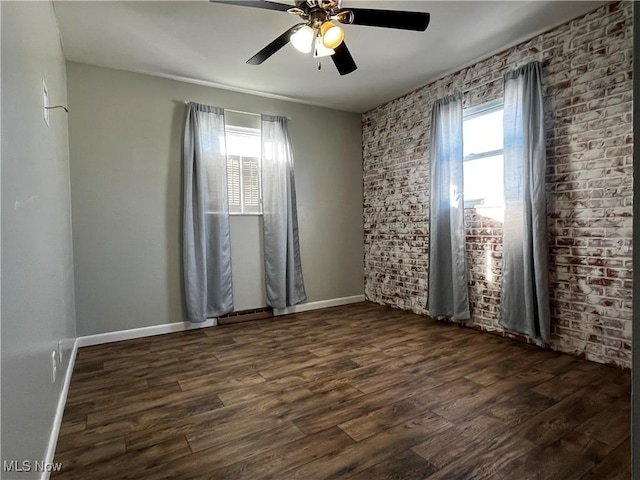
(332, 35)
(303, 39)
(319, 50)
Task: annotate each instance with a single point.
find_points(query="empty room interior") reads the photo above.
(234, 248)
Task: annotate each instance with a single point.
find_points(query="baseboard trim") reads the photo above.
(304, 307)
(57, 419)
(109, 337)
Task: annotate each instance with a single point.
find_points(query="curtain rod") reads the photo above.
(237, 111)
(241, 112)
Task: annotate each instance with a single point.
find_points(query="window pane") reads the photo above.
(243, 144)
(243, 149)
(483, 181)
(483, 133)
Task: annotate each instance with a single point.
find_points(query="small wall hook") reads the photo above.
(58, 106)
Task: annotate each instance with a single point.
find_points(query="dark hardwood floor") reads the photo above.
(361, 392)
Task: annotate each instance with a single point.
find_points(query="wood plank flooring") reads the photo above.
(360, 392)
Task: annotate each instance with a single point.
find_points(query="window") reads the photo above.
(483, 155)
(243, 169)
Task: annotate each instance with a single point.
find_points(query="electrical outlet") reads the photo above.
(54, 367)
(45, 102)
(59, 352)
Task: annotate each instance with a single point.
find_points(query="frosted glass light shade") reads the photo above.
(302, 40)
(319, 50)
(332, 35)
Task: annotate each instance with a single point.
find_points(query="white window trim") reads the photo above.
(482, 109)
(242, 130)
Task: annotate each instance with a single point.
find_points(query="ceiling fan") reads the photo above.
(319, 34)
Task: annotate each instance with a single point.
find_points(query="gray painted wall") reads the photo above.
(247, 262)
(37, 260)
(125, 149)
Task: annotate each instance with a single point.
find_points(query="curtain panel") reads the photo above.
(283, 266)
(447, 289)
(525, 290)
(206, 242)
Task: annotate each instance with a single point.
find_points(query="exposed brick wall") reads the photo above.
(588, 95)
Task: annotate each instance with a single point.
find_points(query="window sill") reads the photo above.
(469, 207)
(473, 203)
(241, 214)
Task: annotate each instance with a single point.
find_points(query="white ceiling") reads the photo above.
(209, 43)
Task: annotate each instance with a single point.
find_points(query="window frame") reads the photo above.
(469, 114)
(243, 131)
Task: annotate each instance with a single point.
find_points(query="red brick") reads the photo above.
(587, 80)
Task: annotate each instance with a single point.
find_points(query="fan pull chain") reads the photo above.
(319, 66)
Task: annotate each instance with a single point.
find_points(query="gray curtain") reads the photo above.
(525, 290)
(283, 268)
(205, 229)
(447, 290)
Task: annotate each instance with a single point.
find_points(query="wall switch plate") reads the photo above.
(45, 102)
(54, 367)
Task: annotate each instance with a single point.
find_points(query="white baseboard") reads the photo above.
(100, 338)
(304, 307)
(57, 419)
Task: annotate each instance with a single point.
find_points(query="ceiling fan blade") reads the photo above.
(273, 47)
(256, 4)
(343, 60)
(418, 21)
